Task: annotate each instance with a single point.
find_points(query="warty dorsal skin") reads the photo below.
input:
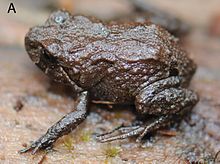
(90, 51)
(113, 63)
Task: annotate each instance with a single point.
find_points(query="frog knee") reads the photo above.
(168, 101)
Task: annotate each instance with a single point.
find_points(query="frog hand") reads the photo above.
(62, 127)
(44, 142)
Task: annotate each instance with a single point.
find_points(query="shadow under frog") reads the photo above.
(119, 63)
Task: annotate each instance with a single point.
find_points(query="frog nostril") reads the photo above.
(174, 72)
(47, 57)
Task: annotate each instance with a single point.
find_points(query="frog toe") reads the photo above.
(42, 143)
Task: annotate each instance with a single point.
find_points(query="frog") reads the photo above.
(140, 64)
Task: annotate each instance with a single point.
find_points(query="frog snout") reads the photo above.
(33, 50)
(32, 44)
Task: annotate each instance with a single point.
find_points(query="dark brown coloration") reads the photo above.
(18, 105)
(216, 157)
(128, 63)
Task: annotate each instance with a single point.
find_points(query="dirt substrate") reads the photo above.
(30, 103)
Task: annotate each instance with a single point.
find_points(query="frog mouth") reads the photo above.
(46, 62)
(66, 75)
(38, 51)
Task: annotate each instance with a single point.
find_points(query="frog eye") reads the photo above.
(59, 19)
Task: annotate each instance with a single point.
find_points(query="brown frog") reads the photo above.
(127, 63)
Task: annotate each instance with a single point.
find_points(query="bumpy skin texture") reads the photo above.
(128, 63)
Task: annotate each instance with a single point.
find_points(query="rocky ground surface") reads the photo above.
(30, 103)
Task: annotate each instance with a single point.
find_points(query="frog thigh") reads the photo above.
(165, 97)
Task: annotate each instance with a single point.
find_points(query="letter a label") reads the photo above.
(11, 8)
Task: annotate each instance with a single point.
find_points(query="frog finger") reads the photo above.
(36, 149)
(27, 148)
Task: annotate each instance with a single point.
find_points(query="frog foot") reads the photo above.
(135, 130)
(45, 142)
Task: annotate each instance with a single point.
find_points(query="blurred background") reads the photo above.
(198, 13)
(29, 104)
